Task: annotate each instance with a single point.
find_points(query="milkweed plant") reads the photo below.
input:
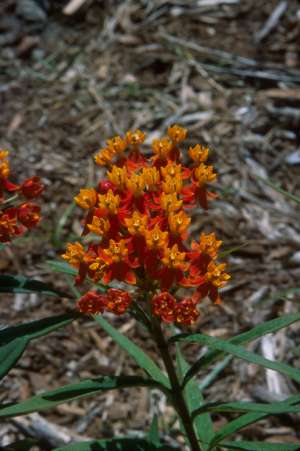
(136, 257)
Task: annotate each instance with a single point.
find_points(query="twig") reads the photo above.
(73, 6)
(38, 427)
(211, 53)
(271, 22)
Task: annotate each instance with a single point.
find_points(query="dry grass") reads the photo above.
(72, 82)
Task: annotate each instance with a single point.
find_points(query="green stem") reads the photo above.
(176, 391)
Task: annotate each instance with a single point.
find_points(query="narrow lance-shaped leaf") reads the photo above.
(245, 420)
(53, 398)
(57, 233)
(241, 406)
(280, 190)
(153, 434)
(260, 330)
(117, 444)
(37, 328)
(21, 284)
(141, 358)
(21, 445)
(62, 267)
(243, 354)
(10, 353)
(14, 340)
(194, 398)
(260, 446)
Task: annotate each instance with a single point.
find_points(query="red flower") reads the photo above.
(186, 312)
(164, 305)
(29, 215)
(32, 187)
(118, 301)
(92, 303)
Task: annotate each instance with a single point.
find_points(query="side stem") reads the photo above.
(177, 394)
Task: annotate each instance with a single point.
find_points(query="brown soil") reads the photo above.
(71, 82)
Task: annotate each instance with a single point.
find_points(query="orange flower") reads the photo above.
(177, 133)
(86, 198)
(135, 138)
(104, 157)
(198, 153)
(204, 174)
(4, 164)
(172, 185)
(216, 274)
(97, 267)
(74, 254)
(116, 145)
(208, 244)
(170, 203)
(174, 259)
(151, 177)
(137, 224)
(179, 223)
(116, 252)
(161, 148)
(156, 238)
(8, 225)
(109, 202)
(171, 170)
(99, 226)
(136, 184)
(118, 176)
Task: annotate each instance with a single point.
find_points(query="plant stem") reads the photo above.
(176, 391)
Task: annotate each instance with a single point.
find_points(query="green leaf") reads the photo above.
(21, 284)
(262, 329)
(21, 445)
(14, 340)
(279, 295)
(153, 434)
(232, 250)
(243, 354)
(117, 444)
(260, 446)
(194, 399)
(57, 233)
(247, 419)
(38, 328)
(88, 387)
(10, 354)
(236, 425)
(214, 373)
(63, 267)
(141, 358)
(280, 190)
(242, 406)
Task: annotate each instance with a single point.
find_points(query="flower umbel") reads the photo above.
(16, 213)
(140, 217)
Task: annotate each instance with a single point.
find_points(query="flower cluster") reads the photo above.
(139, 217)
(17, 212)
